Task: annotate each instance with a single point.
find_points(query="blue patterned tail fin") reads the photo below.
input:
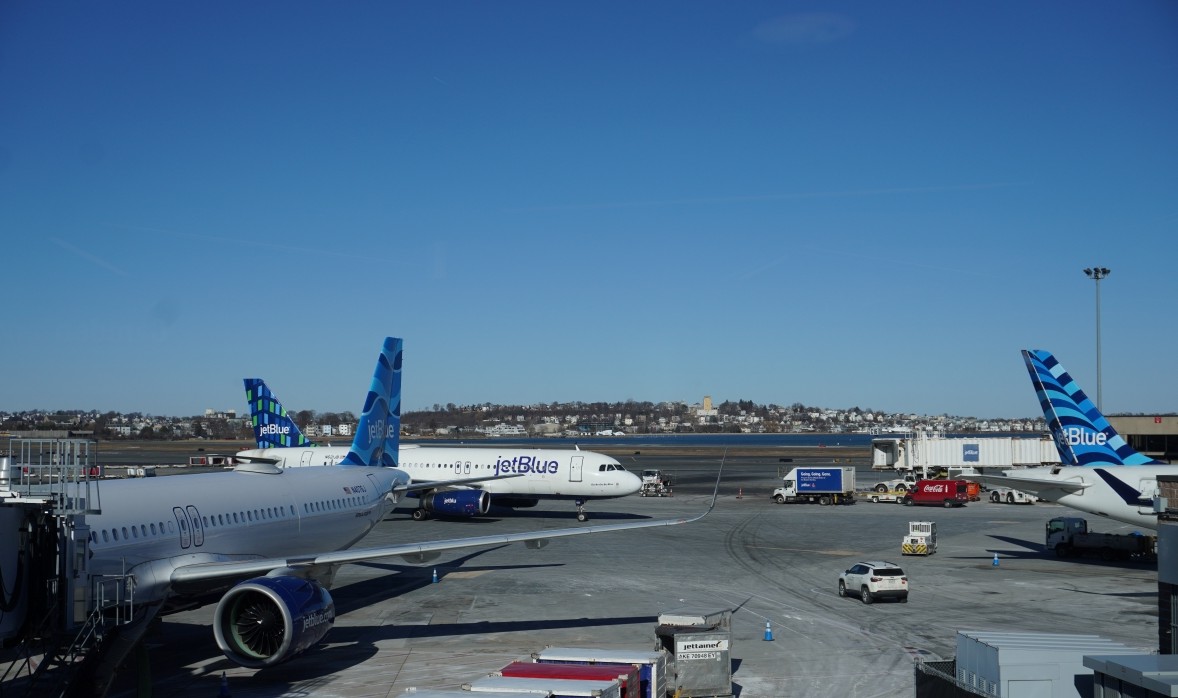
(1082, 434)
(382, 411)
(273, 427)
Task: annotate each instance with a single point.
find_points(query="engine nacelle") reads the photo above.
(457, 502)
(267, 620)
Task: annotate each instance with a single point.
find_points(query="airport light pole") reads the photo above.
(1096, 274)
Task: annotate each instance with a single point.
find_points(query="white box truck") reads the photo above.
(819, 485)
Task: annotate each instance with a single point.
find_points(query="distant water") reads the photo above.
(638, 441)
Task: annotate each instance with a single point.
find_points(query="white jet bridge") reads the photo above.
(54, 616)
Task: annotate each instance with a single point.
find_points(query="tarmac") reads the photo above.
(396, 629)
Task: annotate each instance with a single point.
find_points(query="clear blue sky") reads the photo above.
(877, 204)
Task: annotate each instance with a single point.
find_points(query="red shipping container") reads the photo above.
(626, 674)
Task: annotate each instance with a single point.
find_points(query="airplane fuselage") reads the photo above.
(151, 526)
(1082, 488)
(542, 473)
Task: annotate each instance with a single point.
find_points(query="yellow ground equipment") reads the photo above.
(921, 538)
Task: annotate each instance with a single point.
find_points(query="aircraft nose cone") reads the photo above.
(631, 483)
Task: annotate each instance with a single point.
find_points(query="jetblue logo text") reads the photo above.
(273, 429)
(318, 618)
(970, 453)
(526, 464)
(1077, 436)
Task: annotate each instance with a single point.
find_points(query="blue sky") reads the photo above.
(871, 204)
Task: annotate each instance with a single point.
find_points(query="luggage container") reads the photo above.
(625, 674)
(556, 688)
(652, 664)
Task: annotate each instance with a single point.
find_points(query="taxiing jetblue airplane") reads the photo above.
(264, 543)
(541, 473)
(1101, 473)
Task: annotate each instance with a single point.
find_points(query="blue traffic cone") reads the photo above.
(995, 563)
(768, 632)
(224, 692)
(435, 575)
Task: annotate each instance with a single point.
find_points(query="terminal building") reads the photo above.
(1154, 435)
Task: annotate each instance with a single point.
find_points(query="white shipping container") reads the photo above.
(652, 664)
(1039, 664)
(559, 688)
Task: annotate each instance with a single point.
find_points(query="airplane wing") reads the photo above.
(210, 571)
(1036, 486)
(435, 484)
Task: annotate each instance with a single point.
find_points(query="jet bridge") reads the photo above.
(51, 610)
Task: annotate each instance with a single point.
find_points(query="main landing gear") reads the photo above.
(420, 514)
(581, 514)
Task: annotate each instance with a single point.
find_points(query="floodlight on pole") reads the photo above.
(1096, 274)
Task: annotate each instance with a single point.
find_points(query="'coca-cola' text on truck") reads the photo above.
(937, 493)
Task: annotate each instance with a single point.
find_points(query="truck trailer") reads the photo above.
(822, 485)
(1069, 536)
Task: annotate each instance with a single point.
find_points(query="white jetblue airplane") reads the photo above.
(264, 543)
(1101, 473)
(542, 473)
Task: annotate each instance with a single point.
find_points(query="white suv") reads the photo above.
(874, 579)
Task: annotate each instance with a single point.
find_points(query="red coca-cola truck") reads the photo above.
(937, 493)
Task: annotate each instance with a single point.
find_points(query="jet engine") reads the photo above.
(267, 620)
(457, 503)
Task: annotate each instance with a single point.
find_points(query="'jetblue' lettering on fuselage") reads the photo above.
(274, 429)
(526, 464)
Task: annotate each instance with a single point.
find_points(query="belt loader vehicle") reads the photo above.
(1069, 536)
(819, 485)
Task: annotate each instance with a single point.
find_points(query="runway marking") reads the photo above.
(841, 553)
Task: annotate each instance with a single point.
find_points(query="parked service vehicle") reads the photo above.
(1010, 496)
(936, 493)
(898, 485)
(1068, 536)
(828, 485)
(921, 538)
(874, 580)
(880, 495)
(655, 483)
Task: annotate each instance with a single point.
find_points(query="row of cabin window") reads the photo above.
(221, 520)
(604, 467)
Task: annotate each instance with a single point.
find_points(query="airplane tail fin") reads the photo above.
(381, 413)
(273, 427)
(1082, 434)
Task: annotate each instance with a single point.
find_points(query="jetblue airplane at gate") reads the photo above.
(1101, 473)
(264, 543)
(568, 474)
